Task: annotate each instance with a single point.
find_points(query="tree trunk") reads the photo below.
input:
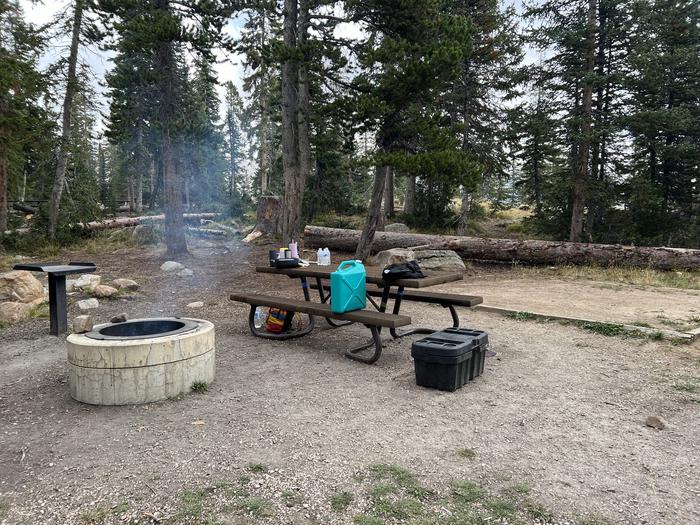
(293, 189)
(303, 108)
(172, 182)
(172, 192)
(4, 174)
(157, 178)
(409, 202)
(389, 194)
(584, 141)
(509, 250)
(363, 246)
(62, 157)
(464, 212)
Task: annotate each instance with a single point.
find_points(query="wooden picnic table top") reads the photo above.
(374, 275)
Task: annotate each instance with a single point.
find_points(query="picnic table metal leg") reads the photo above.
(418, 330)
(58, 308)
(353, 353)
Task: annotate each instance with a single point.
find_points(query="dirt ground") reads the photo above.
(295, 433)
(657, 307)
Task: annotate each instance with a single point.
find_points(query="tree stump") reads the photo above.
(269, 218)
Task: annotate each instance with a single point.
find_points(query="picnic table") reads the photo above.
(375, 320)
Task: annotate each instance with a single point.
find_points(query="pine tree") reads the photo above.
(66, 130)
(20, 89)
(412, 51)
(234, 123)
(159, 29)
(664, 190)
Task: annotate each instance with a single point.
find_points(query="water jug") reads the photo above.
(348, 287)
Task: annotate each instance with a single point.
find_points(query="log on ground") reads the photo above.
(510, 250)
(124, 222)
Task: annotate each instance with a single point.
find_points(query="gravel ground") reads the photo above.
(558, 415)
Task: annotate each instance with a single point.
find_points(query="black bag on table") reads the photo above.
(409, 270)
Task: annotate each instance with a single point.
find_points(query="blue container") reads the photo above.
(348, 287)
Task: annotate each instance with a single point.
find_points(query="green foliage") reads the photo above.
(257, 468)
(341, 501)
(466, 453)
(199, 387)
(607, 329)
(467, 492)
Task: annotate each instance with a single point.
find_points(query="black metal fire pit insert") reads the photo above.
(142, 329)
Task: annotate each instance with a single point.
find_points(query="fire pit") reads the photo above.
(140, 361)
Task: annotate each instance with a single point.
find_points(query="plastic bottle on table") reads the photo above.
(327, 256)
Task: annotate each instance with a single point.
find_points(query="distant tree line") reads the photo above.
(587, 112)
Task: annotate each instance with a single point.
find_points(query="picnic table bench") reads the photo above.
(375, 320)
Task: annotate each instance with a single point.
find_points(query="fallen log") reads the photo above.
(24, 208)
(510, 250)
(206, 232)
(125, 222)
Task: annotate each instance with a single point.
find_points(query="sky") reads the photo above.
(228, 66)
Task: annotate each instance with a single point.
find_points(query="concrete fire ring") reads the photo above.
(134, 371)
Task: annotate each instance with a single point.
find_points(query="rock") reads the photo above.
(397, 227)
(102, 291)
(126, 284)
(70, 285)
(196, 304)
(656, 422)
(20, 286)
(82, 324)
(88, 304)
(185, 273)
(121, 318)
(172, 266)
(146, 234)
(87, 281)
(440, 260)
(393, 256)
(13, 312)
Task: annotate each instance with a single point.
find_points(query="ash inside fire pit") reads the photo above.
(142, 328)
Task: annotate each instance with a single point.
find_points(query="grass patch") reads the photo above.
(396, 473)
(192, 502)
(199, 387)
(257, 468)
(341, 501)
(40, 311)
(466, 453)
(401, 509)
(606, 329)
(364, 519)
(99, 514)
(538, 511)
(291, 498)
(642, 324)
(467, 492)
(691, 388)
(4, 509)
(379, 490)
(244, 479)
(520, 316)
(518, 489)
(501, 508)
(257, 507)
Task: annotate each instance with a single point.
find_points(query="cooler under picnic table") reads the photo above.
(375, 319)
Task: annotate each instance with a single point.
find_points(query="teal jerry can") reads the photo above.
(348, 287)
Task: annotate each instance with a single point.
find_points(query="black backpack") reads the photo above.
(409, 270)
